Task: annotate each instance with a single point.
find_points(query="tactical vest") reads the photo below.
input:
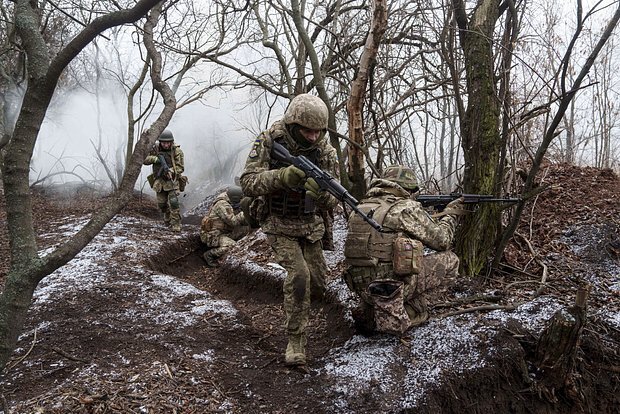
(289, 202)
(364, 245)
(168, 156)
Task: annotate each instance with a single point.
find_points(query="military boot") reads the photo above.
(176, 227)
(210, 259)
(167, 218)
(295, 350)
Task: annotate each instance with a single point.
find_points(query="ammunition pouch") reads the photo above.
(407, 256)
(389, 311)
(328, 236)
(183, 181)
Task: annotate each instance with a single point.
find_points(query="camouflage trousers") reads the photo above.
(438, 270)
(305, 266)
(222, 244)
(168, 203)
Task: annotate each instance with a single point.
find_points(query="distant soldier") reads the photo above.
(289, 209)
(168, 165)
(223, 225)
(388, 270)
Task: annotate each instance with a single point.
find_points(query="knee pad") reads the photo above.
(174, 202)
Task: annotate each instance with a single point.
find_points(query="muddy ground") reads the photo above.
(137, 324)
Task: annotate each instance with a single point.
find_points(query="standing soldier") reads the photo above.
(223, 225)
(289, 209)
(168, 165)
(388, 270)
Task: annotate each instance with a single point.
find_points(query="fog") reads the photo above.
(215, 137)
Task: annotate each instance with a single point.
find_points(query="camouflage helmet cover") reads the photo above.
(166, 136)
(307, 110)
(401, 175)
(234, 193)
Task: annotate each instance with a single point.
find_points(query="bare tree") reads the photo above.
(355, 103)
(566, 94)
(27, 267)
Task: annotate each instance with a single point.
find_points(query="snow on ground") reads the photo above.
(92, 268)
(452, 346)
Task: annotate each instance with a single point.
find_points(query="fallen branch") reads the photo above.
(469, 299)
(183, 256)
(478, 308)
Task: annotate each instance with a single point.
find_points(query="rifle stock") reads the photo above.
(323, 179)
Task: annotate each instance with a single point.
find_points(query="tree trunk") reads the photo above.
(27, 268)
(355, 103)
(481, 138)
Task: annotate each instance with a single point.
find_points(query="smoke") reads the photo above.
(83, 131)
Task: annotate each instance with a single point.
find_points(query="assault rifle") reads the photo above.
(323, 179)
(164, 170)
(440, 201)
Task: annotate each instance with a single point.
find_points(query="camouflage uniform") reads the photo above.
(167, 188)
(369, 255)
(221, 228)
(293, 232)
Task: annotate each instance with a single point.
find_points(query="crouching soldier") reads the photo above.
(388, 270)
(223, 225)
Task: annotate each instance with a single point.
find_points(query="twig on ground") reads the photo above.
(34, 341)
(64, 354)
(469, 299)
(543, 280)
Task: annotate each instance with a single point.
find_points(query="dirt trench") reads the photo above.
(250, 355)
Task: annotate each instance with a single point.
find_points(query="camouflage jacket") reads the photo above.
(176, 162)
(260, 179)
(221, 219)
(406, 216)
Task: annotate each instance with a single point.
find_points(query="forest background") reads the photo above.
(475, 95)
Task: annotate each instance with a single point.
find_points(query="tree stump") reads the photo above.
(556, 351)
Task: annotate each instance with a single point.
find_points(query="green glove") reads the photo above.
(291, 176)
(313, 189)
(151, 159)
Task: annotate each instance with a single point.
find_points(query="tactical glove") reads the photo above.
(456, 207)
(291, 176)
(151, 159)
(313, 189)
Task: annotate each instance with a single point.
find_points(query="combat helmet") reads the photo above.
(235, 194)
(166, 136)
(307, 110)
(401, 175)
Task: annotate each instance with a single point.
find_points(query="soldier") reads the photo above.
(168, 165)
(388, 270)
(223, 225)
(288, 207)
